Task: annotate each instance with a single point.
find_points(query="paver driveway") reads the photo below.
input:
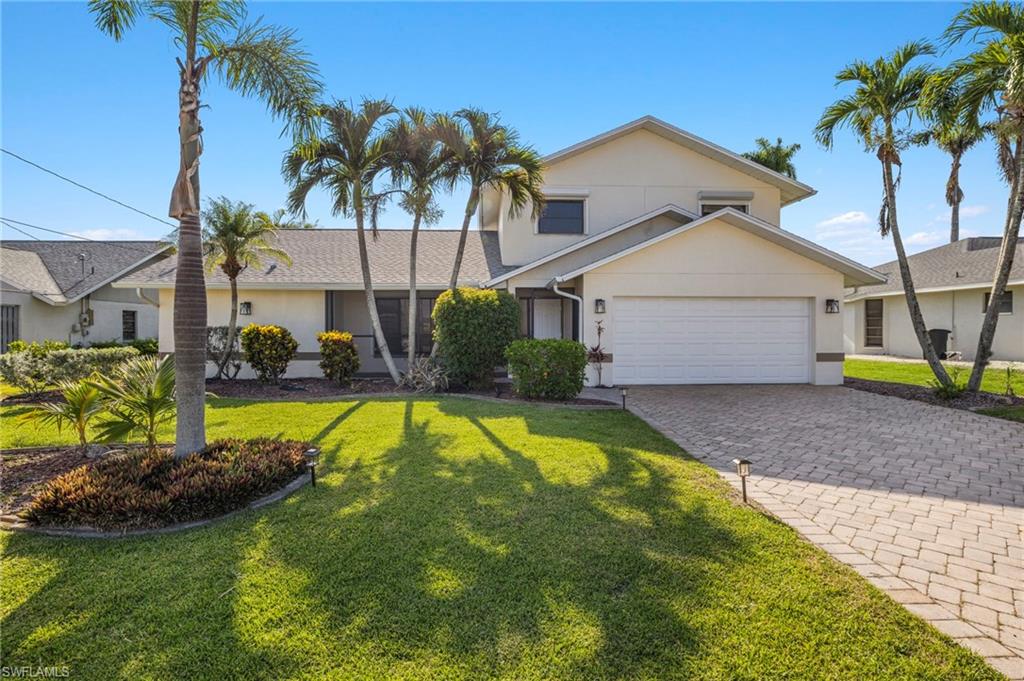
(924, 501)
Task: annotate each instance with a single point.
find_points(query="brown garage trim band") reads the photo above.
(831, 356)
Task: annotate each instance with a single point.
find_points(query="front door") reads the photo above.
(547, 318)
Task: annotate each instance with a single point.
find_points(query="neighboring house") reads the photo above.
(952, 283)
(61, 290)
(671, 241)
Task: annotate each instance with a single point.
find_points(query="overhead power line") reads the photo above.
(88, 189)
(16, 229)
(7, 221)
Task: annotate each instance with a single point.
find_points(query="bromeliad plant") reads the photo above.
(81, 403)
(139, 399)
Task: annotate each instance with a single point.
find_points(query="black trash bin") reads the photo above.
(940, 339)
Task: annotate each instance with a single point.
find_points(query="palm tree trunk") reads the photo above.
(471, 205)
(232, 324)
(913, 307)
(412, 290)
(371, 300)
(955, 196)
(1011, 232)
(189, 283)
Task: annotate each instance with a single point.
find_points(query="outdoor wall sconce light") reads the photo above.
(312, 458)
(624, 391)
(742, 470)
(831, 306)
(599, 306)
(245, 308)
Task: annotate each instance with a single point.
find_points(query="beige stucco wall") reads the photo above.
(623, 179)
(959, 311)
(41, 321)
(718, 260)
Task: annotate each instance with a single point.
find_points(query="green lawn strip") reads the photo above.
(920, 374)
(1009, 413)
(457, 539)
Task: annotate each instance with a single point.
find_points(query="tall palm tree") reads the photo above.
(346, 158)
(953, 133)
(777, 156)
(880, 112)
(487, 154)
(418, 171)
(254, 59)
(236, 237)
(992, 80)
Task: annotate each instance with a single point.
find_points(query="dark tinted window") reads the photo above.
(1005, 303)
(394, 320)
(562, 216)
(709, 208)
(873, 323)
(128, 325)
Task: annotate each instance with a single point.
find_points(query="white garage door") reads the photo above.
(711, 340)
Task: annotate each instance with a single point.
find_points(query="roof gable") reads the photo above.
(854, 273)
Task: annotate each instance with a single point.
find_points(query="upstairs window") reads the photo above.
(709, 208)
(1005, 303)
(562, 216)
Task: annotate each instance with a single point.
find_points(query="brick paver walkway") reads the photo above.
(926, 502)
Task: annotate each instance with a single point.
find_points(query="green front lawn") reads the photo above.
(458, 539)
(918, 373)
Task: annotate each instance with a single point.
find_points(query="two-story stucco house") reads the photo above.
(671, 242)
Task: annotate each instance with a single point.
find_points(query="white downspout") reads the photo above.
(140, 294)
(565, 294)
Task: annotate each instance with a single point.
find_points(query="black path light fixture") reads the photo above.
(831, 306)
(624, 391)
(742, 470)
(312, 459)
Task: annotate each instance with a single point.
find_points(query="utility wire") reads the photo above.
(7, 224)
(88, 189)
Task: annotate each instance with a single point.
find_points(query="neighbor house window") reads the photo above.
(873, 323)
(1005, 302)
(128, 327)
(709, 208)
(394, 321)
(10, 325)
(562, 216)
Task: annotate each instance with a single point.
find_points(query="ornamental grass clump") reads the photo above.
(152, 488)
(268, 350)
(339, 356)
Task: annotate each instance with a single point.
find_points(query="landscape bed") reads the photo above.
(464, 539)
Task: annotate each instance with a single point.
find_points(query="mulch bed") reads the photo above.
(24, 472)
(968, 401)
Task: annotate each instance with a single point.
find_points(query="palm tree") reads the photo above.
(487, 154)
(254, 59)
(282, 219)
(952, 133)
(346, 159)
(418, 170)
(991, 79)
(777, 157)
(236, 237)
(880, 112)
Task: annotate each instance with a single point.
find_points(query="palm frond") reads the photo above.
(115, 17)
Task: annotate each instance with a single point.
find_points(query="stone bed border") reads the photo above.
(85, 532)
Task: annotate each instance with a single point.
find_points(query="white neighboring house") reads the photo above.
(670, 241)
(952, 283)
(61, 290)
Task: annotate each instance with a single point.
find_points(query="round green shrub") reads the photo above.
(268, 350)
(339, 356)
(472, 328)
(552, 369)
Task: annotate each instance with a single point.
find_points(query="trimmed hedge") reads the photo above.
(472, 328)
(339, 356)
(145, 346)
(268, 350)
(150, 489)
(552, 369)
(33, 371)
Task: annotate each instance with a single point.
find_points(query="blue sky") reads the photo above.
(105, 113)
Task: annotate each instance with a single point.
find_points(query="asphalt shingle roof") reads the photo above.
(968, 262)
(330, 257)
(67, 270)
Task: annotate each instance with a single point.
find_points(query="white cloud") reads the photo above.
(103, 234)
(924, 238)
(966, 213)
(853, 217)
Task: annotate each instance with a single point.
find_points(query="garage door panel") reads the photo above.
(711, 340)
